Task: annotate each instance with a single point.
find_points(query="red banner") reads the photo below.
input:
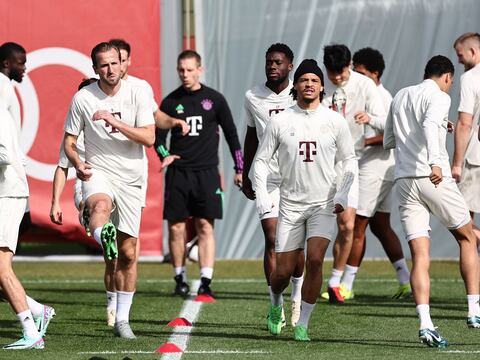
(58, 36)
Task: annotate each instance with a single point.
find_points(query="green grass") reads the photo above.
(370, 326)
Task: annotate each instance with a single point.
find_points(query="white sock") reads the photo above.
(423, 311)
(206, 272)
(349, 276)
(270, 293)
(473, 306)
(97, 235)
(305, 312)
(124, 301)
(181, 270)
(277, 299)
(29, 328)
(297, 283)
(403, 274)
(334, 280)
(35, 307)
(111, 300)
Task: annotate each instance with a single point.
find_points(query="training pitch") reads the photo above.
(234, 327)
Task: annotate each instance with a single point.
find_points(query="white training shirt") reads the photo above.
(470, 104)
(107, 149)
(261, 103)
(13, 180)
(375, 159)
(9, 101)
(417, 128)
(146, 86)
(361, 94)
(307, 142)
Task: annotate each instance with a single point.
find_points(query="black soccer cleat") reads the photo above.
(181, 287)
(204, 288)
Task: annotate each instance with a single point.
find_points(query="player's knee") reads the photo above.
(127, 256)
(269, 244)
(100, 207)
(314, 263)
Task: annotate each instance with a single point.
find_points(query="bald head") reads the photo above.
(467, 47)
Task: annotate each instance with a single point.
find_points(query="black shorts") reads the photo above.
(194, 193)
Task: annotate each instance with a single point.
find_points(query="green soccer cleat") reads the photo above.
(473, 322)
(432, 338)
(300, 333)
(403, 292)
(26, 343)
(274, 319)
(109, 238)
(42, 321)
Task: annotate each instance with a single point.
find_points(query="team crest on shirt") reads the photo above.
(179, 109)
(207, 104)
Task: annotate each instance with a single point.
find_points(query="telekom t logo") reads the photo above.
(307, 148)
(195, 123)
(274, 111)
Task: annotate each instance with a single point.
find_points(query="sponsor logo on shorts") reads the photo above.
(307, 149)
(207, 104)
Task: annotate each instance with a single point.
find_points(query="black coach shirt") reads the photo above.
(204, 110)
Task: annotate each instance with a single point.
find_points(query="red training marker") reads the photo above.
(205, 298)
(179, 322)
(168, 348)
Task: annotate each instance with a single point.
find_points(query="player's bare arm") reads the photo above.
(144, 135)
(436, 176)
(163, 121)
(59, 180)
(70, 145)
(374, 140)
(250, 148)
(362, 117)
(462, 134)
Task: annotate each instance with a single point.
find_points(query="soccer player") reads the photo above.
(307, 138)
(12, 67)
(192, 182)
(116, 120)
(376, 167)
(356, 97)
(261, 103)
(466, 155)
(33, 316)
(416, 128)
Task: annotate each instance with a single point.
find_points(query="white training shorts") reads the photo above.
(11, 214)
(469, 186)
(295, 225)
(127, 200)
(352, 201)
(274, 194)
(375, 194)
(418, 197)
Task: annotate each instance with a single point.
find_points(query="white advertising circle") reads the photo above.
(31, 109)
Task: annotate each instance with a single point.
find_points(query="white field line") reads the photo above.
(460, 351)
(181, 334)
(219, 281)
(127, 352)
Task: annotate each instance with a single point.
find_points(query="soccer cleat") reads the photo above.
(295, 307)
(274, 319)
(123, 330)
(334, 296)
(473, 322)
(300, 333)
(111, 317)
(403, 292)
(204, 288)
(181, 287)
(26, 343)
(347, 294)
(42, 321)
(432, 338)
(109, 238)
